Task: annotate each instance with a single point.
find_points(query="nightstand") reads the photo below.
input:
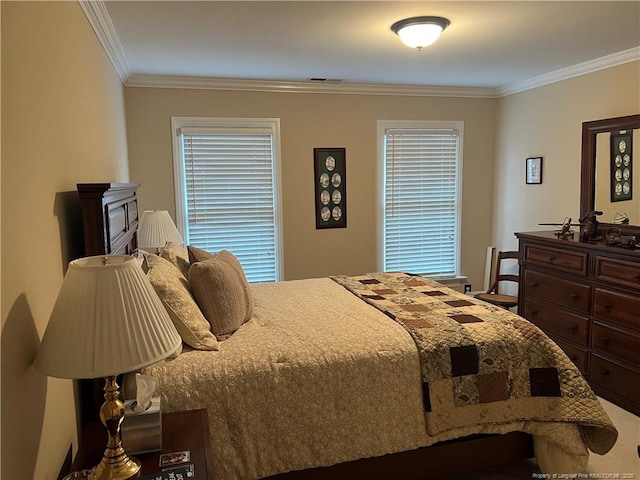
(187, 430)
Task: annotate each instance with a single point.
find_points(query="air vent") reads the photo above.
(325, 80)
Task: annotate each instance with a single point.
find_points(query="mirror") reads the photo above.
(599, 189)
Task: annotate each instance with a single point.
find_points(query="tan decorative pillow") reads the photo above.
(222, 293)
(233, 261)
(178, 255)
(198, 255)
(173, 289)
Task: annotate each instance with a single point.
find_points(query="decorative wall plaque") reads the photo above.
(330, 187)
(621, 166)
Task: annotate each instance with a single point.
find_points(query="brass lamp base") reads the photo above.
(115, 463)
(121, 467)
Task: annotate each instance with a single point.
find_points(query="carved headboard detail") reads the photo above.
(110, 217)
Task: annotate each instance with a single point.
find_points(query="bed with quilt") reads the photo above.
(310, 373)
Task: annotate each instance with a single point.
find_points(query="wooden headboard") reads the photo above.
(110, 217)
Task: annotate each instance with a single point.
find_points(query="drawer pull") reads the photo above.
(552, 258)
(637, 277)
(534, 313)
(605, 341)
(535, 284)
(573, 358)
(607, 306)
(574, 296)
(604, 371)
(574, 327)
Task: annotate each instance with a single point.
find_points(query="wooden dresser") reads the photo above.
(586, 297)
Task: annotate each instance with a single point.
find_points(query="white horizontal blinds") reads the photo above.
(230, 195)
(420, 201)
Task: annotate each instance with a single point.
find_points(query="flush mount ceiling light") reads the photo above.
(419, 32)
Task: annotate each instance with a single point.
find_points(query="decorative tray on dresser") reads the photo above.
(586, 297)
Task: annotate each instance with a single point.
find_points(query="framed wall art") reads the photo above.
(330, 187)
(621, 166)
(534, 170)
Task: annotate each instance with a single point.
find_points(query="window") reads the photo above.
(420, 172)
(226, 173)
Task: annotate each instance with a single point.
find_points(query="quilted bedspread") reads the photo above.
(481, 364)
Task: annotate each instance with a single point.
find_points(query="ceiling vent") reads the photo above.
(325, 80)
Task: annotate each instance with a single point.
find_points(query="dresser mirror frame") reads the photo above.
(590, 130)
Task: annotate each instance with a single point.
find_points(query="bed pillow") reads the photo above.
(178, 255)
(173, 289)
(141, 257)
(222, 292)
(235, 264)
(198, 255)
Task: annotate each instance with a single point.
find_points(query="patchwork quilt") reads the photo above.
(481, 364)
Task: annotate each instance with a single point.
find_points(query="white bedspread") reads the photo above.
(315, 378)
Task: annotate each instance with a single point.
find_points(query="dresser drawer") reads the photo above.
(556, 321)
(557, 290)
(617, 307)
(622, 380)
(616, 342)
(577, 355)
(618, 271)
(574, 262)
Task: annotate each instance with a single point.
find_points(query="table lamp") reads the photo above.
(107, 320)
(156, 229)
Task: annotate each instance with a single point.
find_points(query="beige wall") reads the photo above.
(547, 121)
(320, 120)
(62, 123)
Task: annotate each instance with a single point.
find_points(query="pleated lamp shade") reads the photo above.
(107, 320)
(156, 229)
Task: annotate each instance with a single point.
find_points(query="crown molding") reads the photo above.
(608, 61)
(98, 16)
(210, 83)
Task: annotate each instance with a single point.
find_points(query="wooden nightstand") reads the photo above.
(187, 430)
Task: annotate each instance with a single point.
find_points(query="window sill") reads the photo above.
(451, 281)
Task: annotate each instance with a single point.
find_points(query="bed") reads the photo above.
(330, 370)
(377, 375)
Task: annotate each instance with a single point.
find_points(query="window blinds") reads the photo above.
(230, 195)
(420, 231)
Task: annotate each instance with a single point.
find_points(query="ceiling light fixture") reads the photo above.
(419, 32)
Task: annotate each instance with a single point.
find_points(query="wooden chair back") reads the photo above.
(504, 277)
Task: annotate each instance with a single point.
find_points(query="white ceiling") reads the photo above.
(496, 46)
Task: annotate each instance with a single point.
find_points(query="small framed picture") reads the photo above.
(534, 170)
(175, 458)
